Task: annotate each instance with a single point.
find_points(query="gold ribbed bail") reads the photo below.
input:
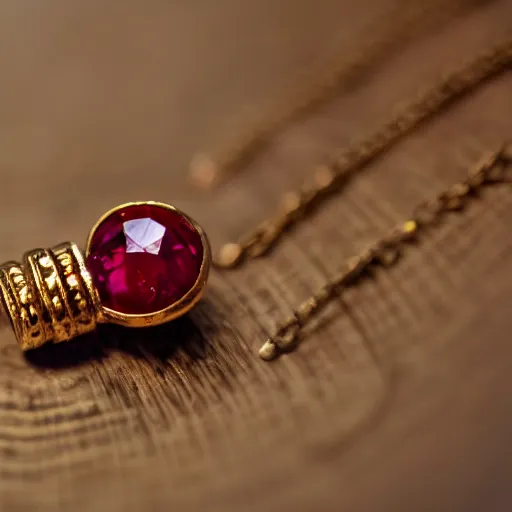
(50, 297)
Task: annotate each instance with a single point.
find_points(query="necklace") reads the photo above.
(147, 263)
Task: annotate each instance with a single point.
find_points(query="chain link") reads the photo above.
(327, 179)
(492, 169)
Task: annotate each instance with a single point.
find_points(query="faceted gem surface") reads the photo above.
(143, 258)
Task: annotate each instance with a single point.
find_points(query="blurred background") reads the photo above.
(402, 404)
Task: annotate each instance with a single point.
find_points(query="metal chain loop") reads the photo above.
(494, 168)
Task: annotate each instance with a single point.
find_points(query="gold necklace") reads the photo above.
(58, 294)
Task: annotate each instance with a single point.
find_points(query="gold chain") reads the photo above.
(399, 24)
(492, 169)
(329, 178)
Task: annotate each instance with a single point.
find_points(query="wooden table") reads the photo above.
(398, 399)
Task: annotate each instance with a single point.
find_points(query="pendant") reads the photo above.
(145, 264)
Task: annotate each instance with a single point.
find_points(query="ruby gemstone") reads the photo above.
(143, 258)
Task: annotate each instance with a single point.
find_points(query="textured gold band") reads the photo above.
(50, 297)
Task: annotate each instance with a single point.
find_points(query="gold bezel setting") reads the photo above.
(178, 308)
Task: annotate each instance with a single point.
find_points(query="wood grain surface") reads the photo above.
(398, 398)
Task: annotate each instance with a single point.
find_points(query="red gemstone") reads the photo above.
(143, 258)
